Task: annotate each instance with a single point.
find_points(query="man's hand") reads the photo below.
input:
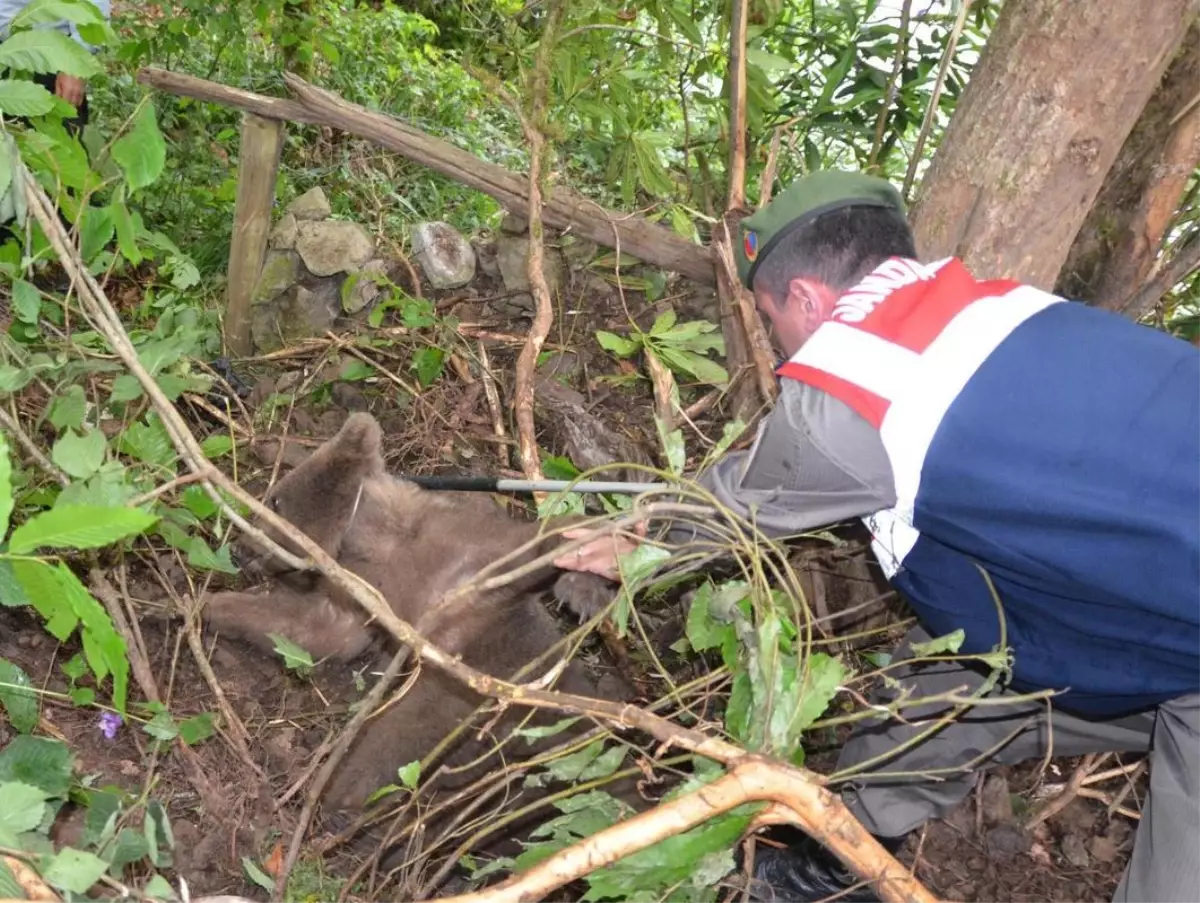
(600, 555)
(70, 89)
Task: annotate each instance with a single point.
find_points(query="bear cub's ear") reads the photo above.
(360, 440)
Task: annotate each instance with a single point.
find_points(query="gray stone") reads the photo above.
(280, 271)
(365, 291)
(301, 312)
(514, 224)
(446, 257)
(312, 205)
(512, 257)
(1074, 851)
(995, 801)
(332, 247)
(283, 236)
(579, 252)
(485, 258)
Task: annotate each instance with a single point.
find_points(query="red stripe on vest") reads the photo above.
(868, 404)
(913, 316)
(910, 317)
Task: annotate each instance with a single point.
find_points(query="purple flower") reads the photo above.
(109, 722)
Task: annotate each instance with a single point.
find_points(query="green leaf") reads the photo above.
(103, 810)
(74, 870)
(95, 231)
(142, 152)
(196, 729)
(824, 675)
(672, 446)
(410, 774)
(664, 322)
(257, 875)
(19, 97)
(39, 581)
(40, 12)
(49, 51)
(216, 446)
(6, 496)
(27, 301)
(604, 764)
(617, 345)
(950, 642)
(159, 834)
(127, 243)
(162, 726)
(38, 761)
(129, 846)
(199, 555)
(22, 807)
(78, 527)
(546, 730)
(158, 888)
(80, 455)
(635, 566)
(148, 441)
(294, 657)
(568, 768)
(18, 697)
(704, 629)
(69, 408)
(428, 363)
(355, 370)
(103, 647)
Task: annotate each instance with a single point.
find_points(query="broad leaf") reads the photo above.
(78, 527)
(294, 656)
(40, 12)
(950, 642)
(18, 697)
(19, 97)
(617, 345)
(38, 761)
(79, 454)
(22, 807)
(47, 50)
(74, 870)
(69, 408)
(409, 774)
(142, 152)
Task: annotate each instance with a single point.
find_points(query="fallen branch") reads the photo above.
(647, 241)
(816, 810)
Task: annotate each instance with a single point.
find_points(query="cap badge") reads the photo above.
(750, 245)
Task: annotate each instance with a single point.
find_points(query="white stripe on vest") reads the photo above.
(920, 389)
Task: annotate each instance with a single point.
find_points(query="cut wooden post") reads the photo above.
(262, 143)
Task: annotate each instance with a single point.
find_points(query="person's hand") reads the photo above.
(70, 88)
(600, 555)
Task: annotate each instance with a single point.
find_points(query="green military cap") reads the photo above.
(802, 202)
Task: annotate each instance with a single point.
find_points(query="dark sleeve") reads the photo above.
(815, 462)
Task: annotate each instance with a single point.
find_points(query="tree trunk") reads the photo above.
(1115, 251)
(1052, 99)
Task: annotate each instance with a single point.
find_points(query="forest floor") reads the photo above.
(225, 805)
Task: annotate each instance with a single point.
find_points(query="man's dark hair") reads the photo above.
(839, 248)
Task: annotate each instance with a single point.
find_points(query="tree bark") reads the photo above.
(564, 208)
(1116, 250)
(1052, 99)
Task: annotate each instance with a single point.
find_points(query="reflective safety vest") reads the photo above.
(1056, 446)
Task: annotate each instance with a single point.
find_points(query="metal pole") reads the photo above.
(494, 484)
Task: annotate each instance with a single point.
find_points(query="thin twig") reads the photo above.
(890, 93)
(14, 429)
(931, 110)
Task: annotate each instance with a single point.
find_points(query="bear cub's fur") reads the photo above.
(413, 546)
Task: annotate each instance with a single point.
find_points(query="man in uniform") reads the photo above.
(983, 425)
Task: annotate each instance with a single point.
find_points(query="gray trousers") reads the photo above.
(1165, 863)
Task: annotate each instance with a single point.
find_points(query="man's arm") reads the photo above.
(815, 462)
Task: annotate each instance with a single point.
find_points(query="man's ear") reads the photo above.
(812, 301)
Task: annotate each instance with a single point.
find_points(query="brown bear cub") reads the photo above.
(413, 546)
